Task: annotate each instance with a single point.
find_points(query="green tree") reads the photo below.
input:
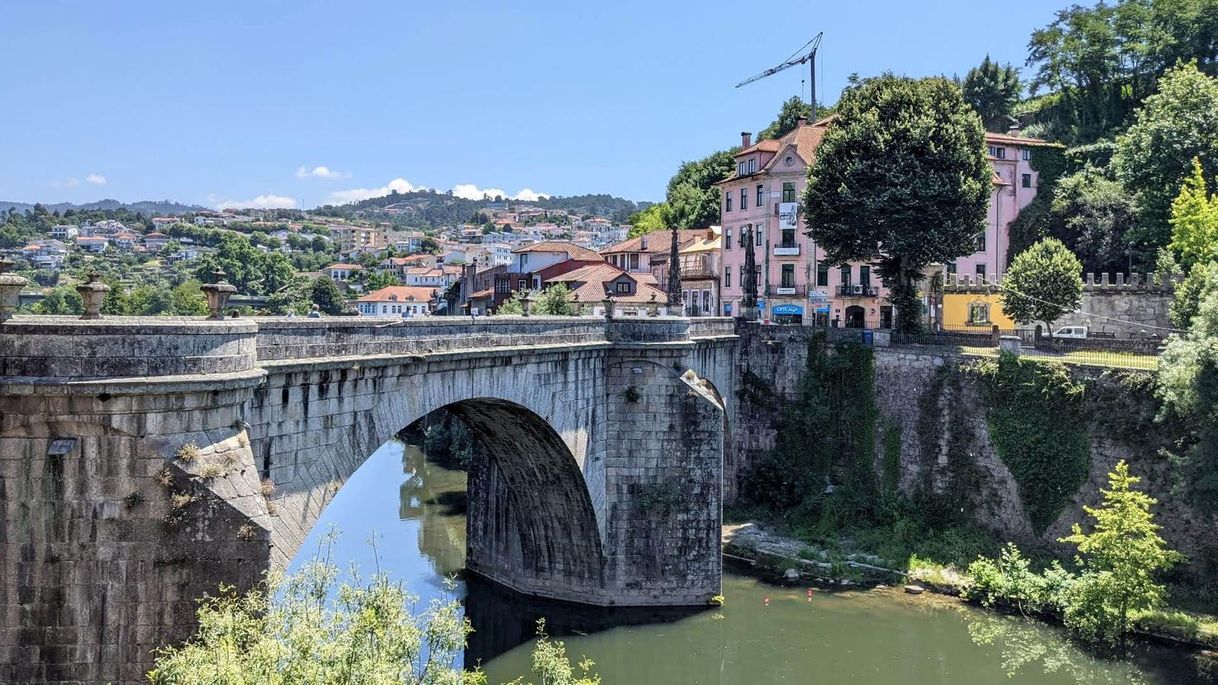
(1093, 214)
(61, 300)
(313, 627)
(693, 198)
(900, 179)
(993, 90)
(1194, 221)
(555, 300)
(325, 294)
(514, 305)
(1200, 281)
(1174, 126)
(188, 299)
(648, 221)
(250, 269)
(429, 245)
(788, 118)
(1044, 282)
(1120, 558)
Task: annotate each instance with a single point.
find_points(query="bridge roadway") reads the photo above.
(143, 461)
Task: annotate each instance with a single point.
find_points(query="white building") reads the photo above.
(398, 300)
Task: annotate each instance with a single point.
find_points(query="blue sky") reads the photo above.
(240, 102)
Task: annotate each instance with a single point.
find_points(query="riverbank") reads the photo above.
(773, 557)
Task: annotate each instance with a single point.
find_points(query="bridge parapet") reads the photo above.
(62, 347)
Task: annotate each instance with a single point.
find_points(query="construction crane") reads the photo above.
(799, 57)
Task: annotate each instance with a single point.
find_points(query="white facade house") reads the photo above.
(398, 301)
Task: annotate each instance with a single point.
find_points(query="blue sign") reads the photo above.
(760, 303)
(822, 310)
(788, 310)
(727, 308)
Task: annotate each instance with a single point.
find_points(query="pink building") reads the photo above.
(794, 283)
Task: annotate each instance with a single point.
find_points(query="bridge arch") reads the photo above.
(535, 503)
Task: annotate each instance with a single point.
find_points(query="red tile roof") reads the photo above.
(573, 251)
(658, 242)
(400, 293)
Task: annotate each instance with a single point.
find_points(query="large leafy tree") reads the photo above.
(1120, 558)
(325, 294)
(250, 269)
(1176, 125)
(1093, 214)
(652, 219)
(993, 90)
(788, 118)
(1194, 221)
(693, 198)
(1043, 283)
(900, 179)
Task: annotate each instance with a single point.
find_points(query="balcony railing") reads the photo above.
(857, 290)
(786, 250)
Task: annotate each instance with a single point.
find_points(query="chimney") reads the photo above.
(746, 139)
(803, 121)
(1013, 130)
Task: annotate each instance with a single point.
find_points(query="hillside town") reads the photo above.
(382, 269)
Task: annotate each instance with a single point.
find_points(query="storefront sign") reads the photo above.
(788, 310)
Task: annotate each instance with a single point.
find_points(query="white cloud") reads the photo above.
(96, 179)
(342, 197)
(260, 202)
(70, 182)
(321, 172)
(469, 191)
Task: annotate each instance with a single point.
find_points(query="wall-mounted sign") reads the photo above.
(818, 296)
(788, 310)
(788, 215)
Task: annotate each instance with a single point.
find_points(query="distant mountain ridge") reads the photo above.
(431, 208)
(145, 207)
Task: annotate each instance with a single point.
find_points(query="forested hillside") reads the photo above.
(431, 209)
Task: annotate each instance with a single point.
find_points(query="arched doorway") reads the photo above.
(855, 317)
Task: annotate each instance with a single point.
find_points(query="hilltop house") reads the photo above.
(398, 300)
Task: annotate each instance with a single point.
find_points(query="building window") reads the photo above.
(978, 313)
(951, 268)
(760, 196)
(727, 236)
(622, 287)
(634, 262)
(728, 206)
(752, 165)
(1027, 155)
(845, 274)
(998, 152)
(788, 192)
(981, 241)
(727, 277)
(740, 169)
(788, 275)
(744, 199)
(759, 233)
(822, 274)
(788, 237)
(981, 272)
(1026, 180)
(864, 276)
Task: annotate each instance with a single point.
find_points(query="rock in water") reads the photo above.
(791, 575)
(914, 589)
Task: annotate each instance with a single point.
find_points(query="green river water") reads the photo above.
(762, 634)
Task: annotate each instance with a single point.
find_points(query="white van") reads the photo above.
(1076, 332)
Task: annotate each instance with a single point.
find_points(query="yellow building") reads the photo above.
(975, 309)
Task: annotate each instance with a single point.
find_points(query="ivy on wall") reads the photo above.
(962, 487)
(1038, 423)
(825, 436)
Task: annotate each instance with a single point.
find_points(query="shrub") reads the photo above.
(188, 453)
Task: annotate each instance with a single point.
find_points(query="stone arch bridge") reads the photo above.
(144, 461)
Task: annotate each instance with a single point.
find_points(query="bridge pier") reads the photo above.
(137, 455)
